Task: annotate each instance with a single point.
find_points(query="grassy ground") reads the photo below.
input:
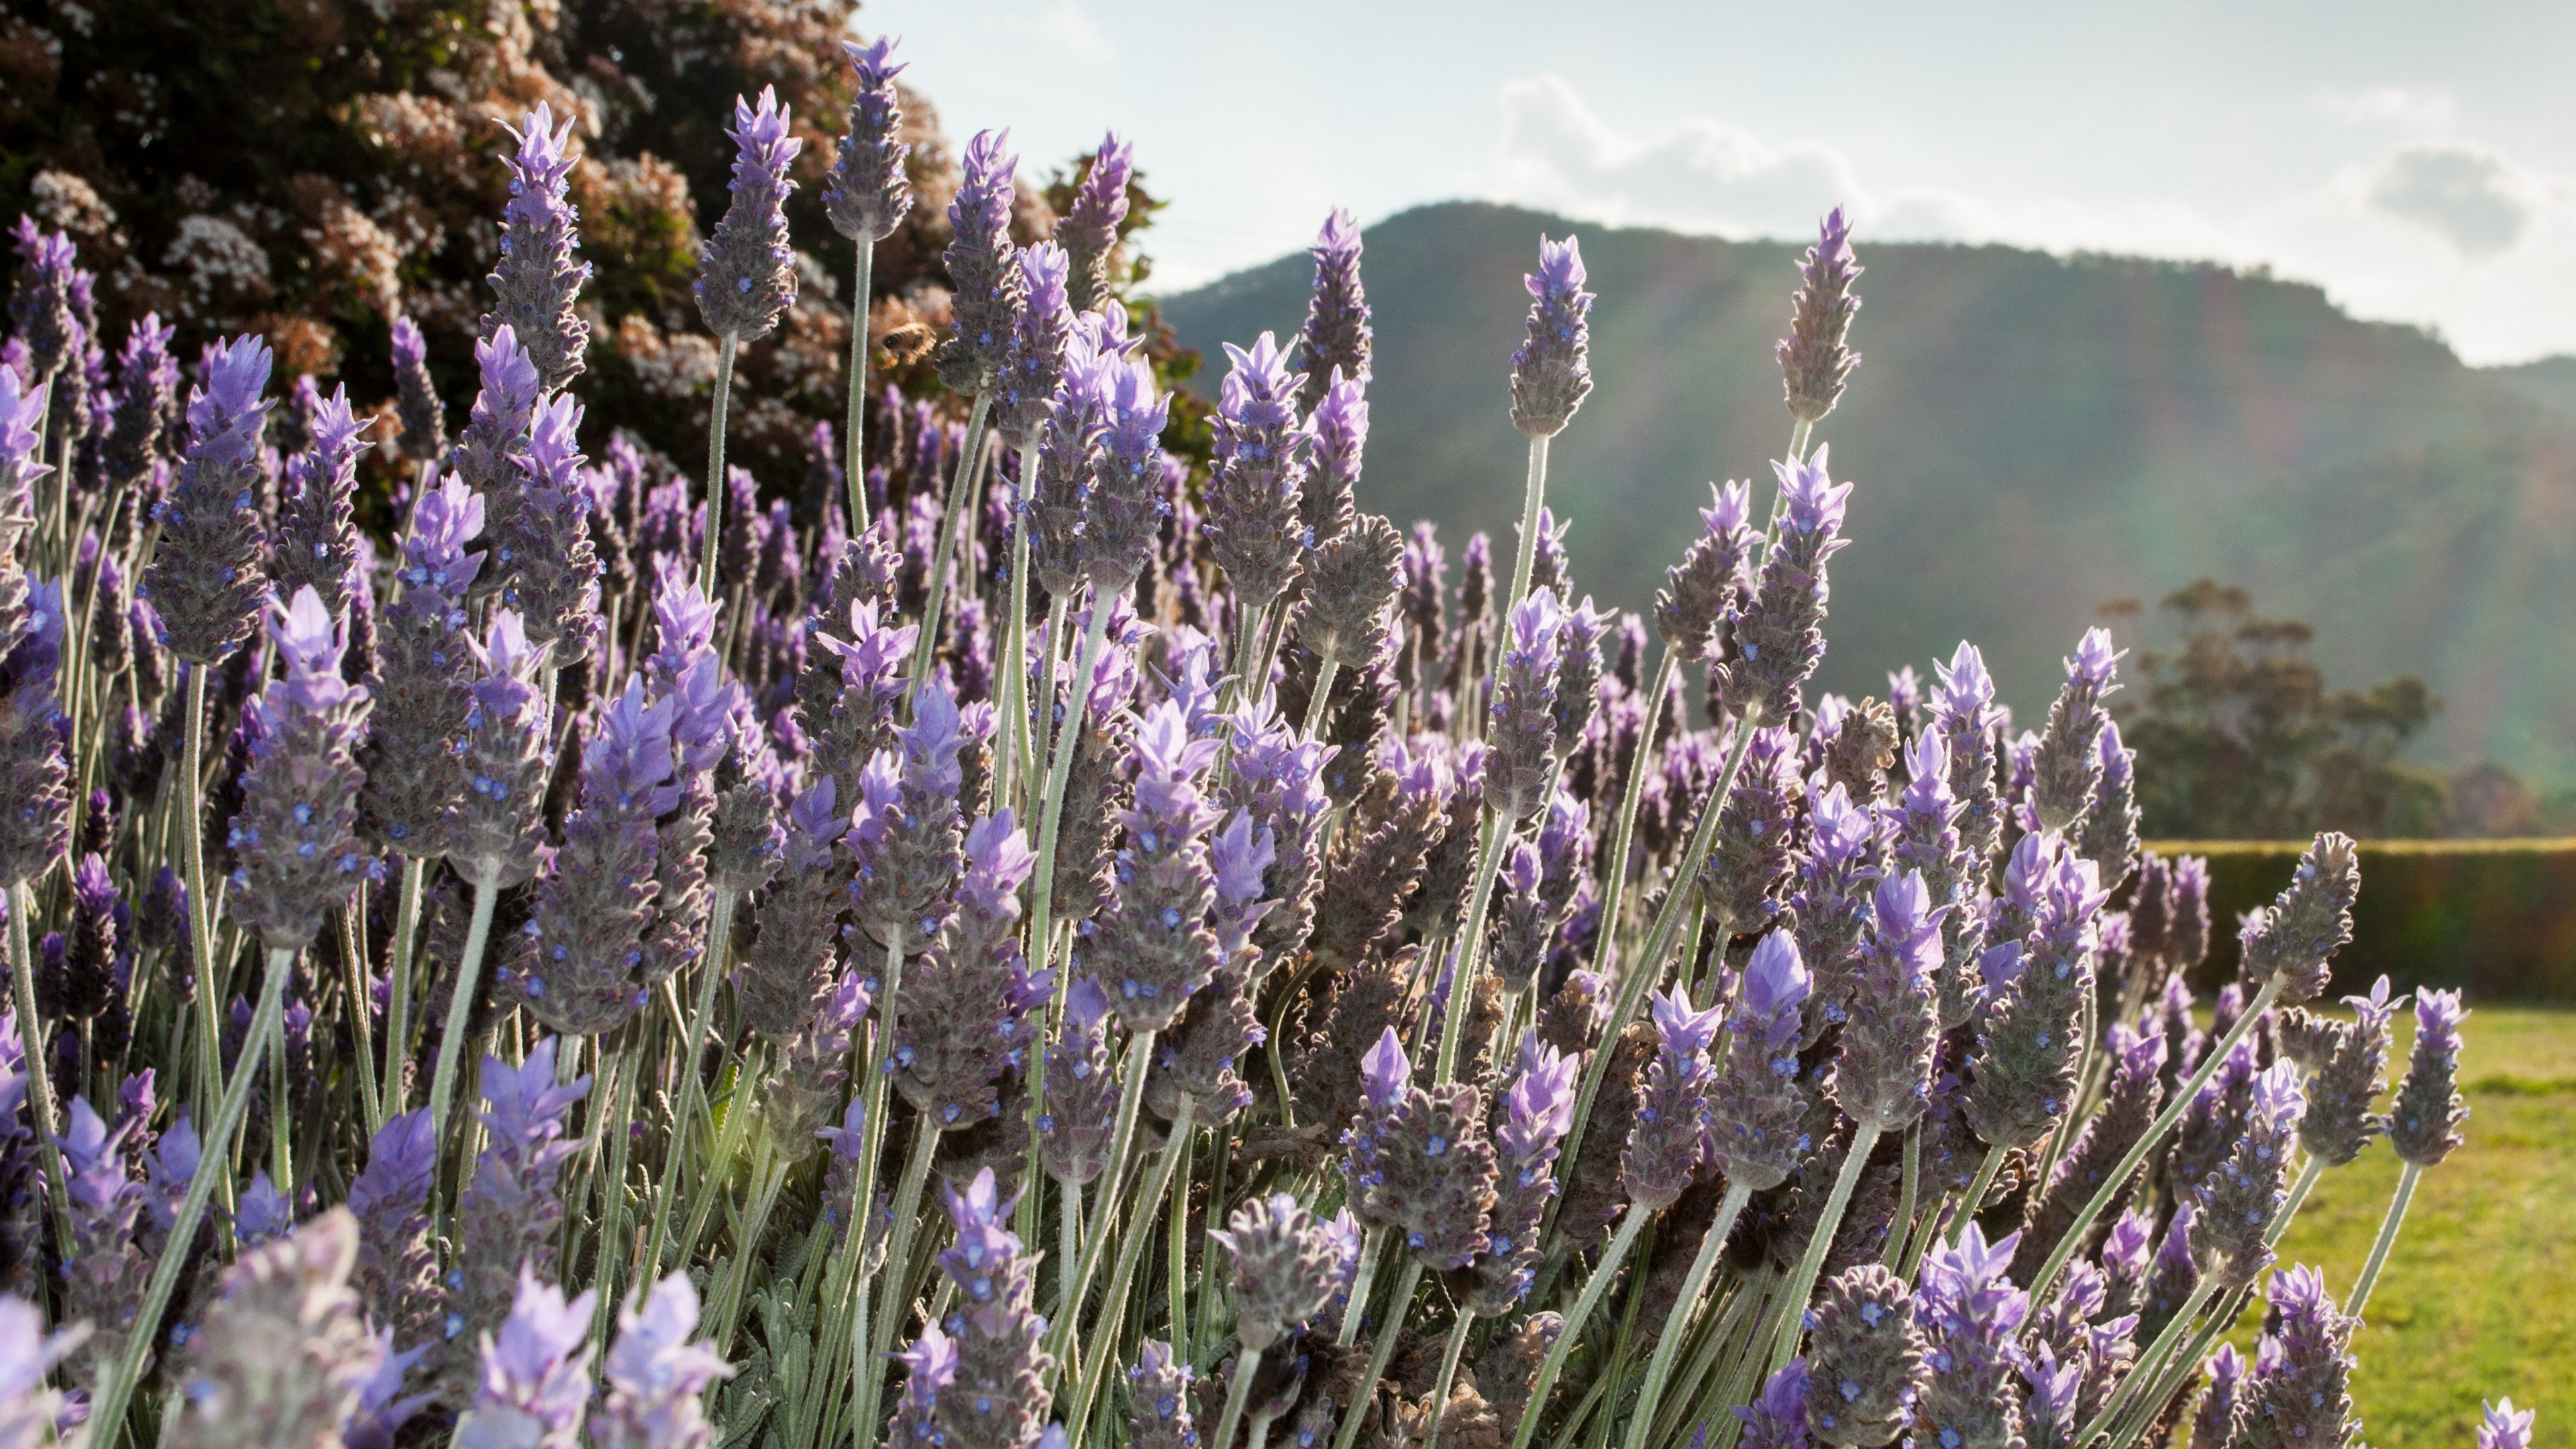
(2479, 1298)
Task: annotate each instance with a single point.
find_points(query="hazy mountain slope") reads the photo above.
(2030, 436)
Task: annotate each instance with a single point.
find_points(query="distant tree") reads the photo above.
(2238, 735)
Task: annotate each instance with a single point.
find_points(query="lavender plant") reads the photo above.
(1823, 1075)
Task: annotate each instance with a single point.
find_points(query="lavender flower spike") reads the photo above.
(535, 1381)
(1664, 1145)
(1814, 363)
(300, 858)
(1754, 1102)
(1867, 1357)
(1336, 338)
(747, 273)
(1884, 1074)
(1970, 1313)
(1152, 944)
(1284, 1269)
(656, 1376)
(578, 964)
(2424, 1119)
(1089, 231)
(1537, 1111)
(1122, 510)
(1034, 361)
(1520, 761)
(1778, 1418)
(2298, 1396)
(1700, 592)
(1254, 523)
(2308, 922)
(317, 543)
(1552, 371)
(205, 581)
(870, 192)
(416, 405)
(537, 278)
(988, 293)
(1779, 634)
(2238, 1203)
(28, 1409)
(495, 831)
(2068, 768)
(282, 1357)
(2505, 1427)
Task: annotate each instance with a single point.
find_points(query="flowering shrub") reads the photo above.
(1097, 959)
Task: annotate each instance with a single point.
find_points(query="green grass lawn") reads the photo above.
(2479, 1299)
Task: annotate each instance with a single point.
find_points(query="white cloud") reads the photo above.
(1068, 25)
(1700, 174)
(2471, 196)
(2421, 108)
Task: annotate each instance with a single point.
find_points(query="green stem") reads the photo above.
(1131, 1250)
(1122, 1139)
(109, 1406)
(716, 489)
(40, 1082)
(2388, 1226)
(1383, 1351)
(1051, 801)
(1448, 1375)
(1237, 1390)
(693, 1087)
(1471, 935)
(460, 1001)
(396, 1096)
(2152, 1138)
(362, 1032)
(1668, 1346)
(768, 1176)
(1533, 499)
(1978, 1187)
(1900, 1229)
(894, 1279)
(201, 929)
(1319, 705)
(1793, 1319)
(855, 471)
(1177, 1246)
(1355, 1313)
(1069, 1242)
(955, 520)
(1593, 1287)
(2151, 1362)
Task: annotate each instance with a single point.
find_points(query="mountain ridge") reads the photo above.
(2031, 435)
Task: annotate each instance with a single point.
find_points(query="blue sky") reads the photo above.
(2417, 161)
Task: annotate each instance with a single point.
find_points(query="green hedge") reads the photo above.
(2496, 917)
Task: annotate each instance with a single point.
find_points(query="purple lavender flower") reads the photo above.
(1537, 1111)
(508, 1214)
(951, 1037)
(1520, 761)
(1749, 859)
(1089, 231)
(29, 1411)
(1969, 1311)
(579, 964)
(1778, 1418)
(541, 558)
(987, 294)
(416, 405)
(537, 279)
(997, 1396)
(2129, 1102)
(1866, 1356)
(496, 431)
(870, 192)
(396, 1269)
(317, 543)
(1081, 1095)
(1755, 1106)
(1346, 607)
(791, 962)
(1151, 943)
(2108, 834)
(1069, 453)
(1700, 592)
(1883, 1076)
(2307, 923)
(1425, 1168)
(204, 581)
(1333, 348)
(1552, 371)
(2505, 1427)
(103, 1272)
(284, 1354)
(534, 1383)
(930, 1366)
(1122, 513)
(2067, 771)
(2048, 1420)
(1965, 715)
(2347, 1078)
(1159, 1396)
(1814, 363)
(1284, 1268)
(2028, 1040)
(1923, 825)
(147, 381)
(1831, 907)
(1035, 359)
(1254, 525)
(910, 847)
(747, 272)
(2424, 1119)
(1341, 421)
(2298, 1394)
(2239, 1202)
(1779, 632)
(507, 752)
(1665, 1143)
(40, 302)
(422, 675)
(656, 1376)
(300, 858)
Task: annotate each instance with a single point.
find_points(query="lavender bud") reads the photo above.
(507, 1219)
(656, 1376)
(1552, 372)
(1969, 1312)
(1779, 632)
(2067, 772)
(1341, 421)
(1089, 231)
(147, 381)
(906, 835)
(1520, 761)
(1754, 1104)
(416, 405)
(1884, 1073)
(1433, 1172)
(507, 752)
(1034, 362)
(1277, 778)
(2307, 923)
(396, 1270)
(204, 580)
(1069, 453)
(951, 1037)
(282, 1356)
(41, 307)
(1700, 592)
(1748, 862)
(747, 272)
(2299, 1393)
(1536, 1113)
(1524, 920)
(1778, 1419)
(1254, 529)
(1081, 1094)
(2424, 1119)
(2238, 1203)
(1122, 513)
(578, 966)
(870, 192)
(543, 563)
(1814, 363)
(1665, 1142)
(422, 675)
(1351, 582)
(1284, 1269)
(2108, 834)
(1865, 1358)
(746, 844)
(317, 543)
(1158, 1395)
(2049, 1419)
(1334, 344)
(300, 858)
(2504, 1427)
(536, 279)
(2028, 1041)
(1151, 943)
(534, 1382)
(1964, 715)
(2346, 1078)
(496, 431)
(987, 293)
(998, 1396)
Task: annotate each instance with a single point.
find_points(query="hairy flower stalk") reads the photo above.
(537, 279)
(746, 276)
(869, 195)
(1551, 375)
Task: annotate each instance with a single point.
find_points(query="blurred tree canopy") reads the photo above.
(2239, 737)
